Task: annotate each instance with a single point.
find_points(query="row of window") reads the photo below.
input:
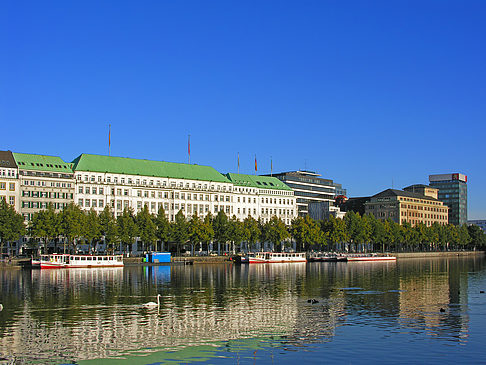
(3, 186)
(418, 207)
(194, 208)
(42, 205)
(177, 195)
(159, 183)
(424, 215)
(8, 173)
(413, 222)
(420, 201)
(45, 174)
(52, 184)
(91, 203)
(10, 200)
(47, 194)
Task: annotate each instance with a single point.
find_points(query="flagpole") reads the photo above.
(109, 139)
(238, 162)
(189, 148)
(271, 166)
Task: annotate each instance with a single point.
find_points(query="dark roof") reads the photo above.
(7, 159)
(395, 192)
(419, 186)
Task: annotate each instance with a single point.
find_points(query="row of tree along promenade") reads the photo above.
(71, 227)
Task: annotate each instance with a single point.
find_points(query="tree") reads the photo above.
(363, 234)
(207, 233)
(72, 224)
(307, 233)
(220, 227)
(337, 233)
(420, 230)
(163, 226)
(127, 229)
(298, 230)
(45, 224)
(388, 233)
(352, 221)
(275, 231)
(200, 231)
(478, 237)
(463, 237)
(378, 235)
(180, 230)
(12, 225)
(146, 227)
(252, 230)
(108, 227)
(92, 231)
(236, 232)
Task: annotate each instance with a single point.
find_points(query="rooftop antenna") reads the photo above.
(392, 182)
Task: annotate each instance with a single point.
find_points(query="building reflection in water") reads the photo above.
(81, 314)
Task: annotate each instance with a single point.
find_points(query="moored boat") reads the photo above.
(322, 257)
(269, 257)
(59, 261)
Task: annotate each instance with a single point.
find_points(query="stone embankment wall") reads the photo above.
(415, 255)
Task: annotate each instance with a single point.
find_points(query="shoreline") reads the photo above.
(190, 260)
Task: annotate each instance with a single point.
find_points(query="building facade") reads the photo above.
(406, 206)
(31, 182)
(262, 197)
(308, 187)
(453, 192)
(9, 182)
(132, 183)
(43, 180)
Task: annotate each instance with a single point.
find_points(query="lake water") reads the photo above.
(228, 314)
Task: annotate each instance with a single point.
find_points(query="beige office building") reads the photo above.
(415, 204)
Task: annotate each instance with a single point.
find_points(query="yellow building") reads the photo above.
(415, 204)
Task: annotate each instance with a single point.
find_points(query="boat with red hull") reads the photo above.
(66, 261)
(282, 257)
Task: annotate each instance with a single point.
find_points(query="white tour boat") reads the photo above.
(264, 257)
(59, 261)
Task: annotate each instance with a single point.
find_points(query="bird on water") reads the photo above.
(153, 304)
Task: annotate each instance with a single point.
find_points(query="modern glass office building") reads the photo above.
(308, 188)
(453, 192)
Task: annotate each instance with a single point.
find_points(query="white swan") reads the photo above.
(152, 304)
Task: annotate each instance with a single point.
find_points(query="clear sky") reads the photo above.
(368, 93)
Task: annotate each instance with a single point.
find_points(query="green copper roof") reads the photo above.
(130, 166)
(26, 161)
(254, 181)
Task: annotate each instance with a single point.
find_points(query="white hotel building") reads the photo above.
(133, 183)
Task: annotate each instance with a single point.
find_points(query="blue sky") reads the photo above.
(367, 93)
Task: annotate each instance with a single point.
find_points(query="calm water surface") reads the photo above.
(225, 314)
